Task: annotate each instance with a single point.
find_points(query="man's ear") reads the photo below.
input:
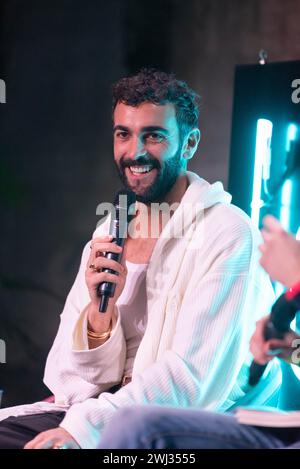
(191, 144)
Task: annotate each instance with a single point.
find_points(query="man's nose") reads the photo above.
(136, 148)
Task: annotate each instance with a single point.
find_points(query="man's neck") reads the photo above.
(149, 221)
(178, 190)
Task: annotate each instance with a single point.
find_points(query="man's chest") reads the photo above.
(139, 251)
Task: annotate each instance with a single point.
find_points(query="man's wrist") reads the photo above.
(92, 335)
(99, 323)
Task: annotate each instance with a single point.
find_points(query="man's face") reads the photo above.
(147, 149)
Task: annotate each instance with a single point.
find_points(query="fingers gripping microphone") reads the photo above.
(124, 212)
(282, 313)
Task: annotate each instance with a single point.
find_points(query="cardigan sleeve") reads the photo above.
(74, 374)
(208, 361)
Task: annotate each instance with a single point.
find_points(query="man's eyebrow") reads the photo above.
(149, 128)
(155, 128)
(121, 127)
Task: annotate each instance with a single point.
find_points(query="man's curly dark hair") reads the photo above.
(157, 87)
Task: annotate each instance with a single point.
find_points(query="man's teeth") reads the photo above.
(140, 169)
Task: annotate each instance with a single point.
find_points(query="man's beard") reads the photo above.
(163, 182)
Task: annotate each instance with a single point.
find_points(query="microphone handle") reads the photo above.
(256, 370)
(106, 290)
(124, 212)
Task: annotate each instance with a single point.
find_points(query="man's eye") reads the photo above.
(154, 137)
(122, 135)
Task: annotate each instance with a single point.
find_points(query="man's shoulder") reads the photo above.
(219, 213)
(229, 215)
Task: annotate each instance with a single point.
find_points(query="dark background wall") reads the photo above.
(59, 59)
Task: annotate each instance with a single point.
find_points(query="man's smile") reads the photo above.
(145, 174)
(141, 169)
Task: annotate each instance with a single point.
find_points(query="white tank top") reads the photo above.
(132, 305)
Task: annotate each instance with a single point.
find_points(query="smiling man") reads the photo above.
(148, 150)
(177, 330)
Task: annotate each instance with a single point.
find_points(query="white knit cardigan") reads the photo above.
(205, 291)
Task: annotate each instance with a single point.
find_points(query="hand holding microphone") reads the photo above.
(115, 273)
(102, 269)
(271, 332)
(281, 260)
(123, 205)
(106, 273)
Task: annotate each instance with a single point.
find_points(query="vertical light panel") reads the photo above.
(285, 208)
(264, 130)
(286, 193)
(291, 135)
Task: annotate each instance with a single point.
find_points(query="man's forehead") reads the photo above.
(145, 114)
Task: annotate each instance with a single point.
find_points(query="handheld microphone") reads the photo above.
(124, 212)
(282, 313)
